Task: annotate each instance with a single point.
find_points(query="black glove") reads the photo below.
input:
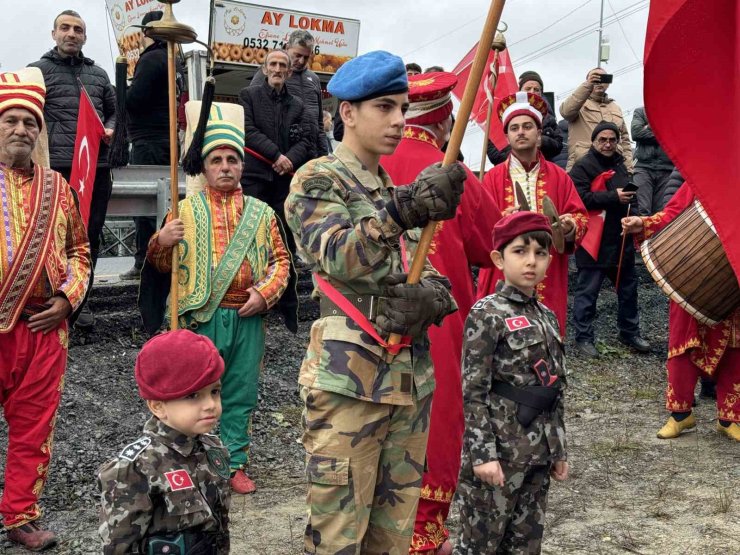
(411, 309)
(433, 196)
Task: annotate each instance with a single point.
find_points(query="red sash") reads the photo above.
(28, 263)
(358, 317)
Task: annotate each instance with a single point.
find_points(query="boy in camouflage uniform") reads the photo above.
(513, 379)
(168, 491)
(367, 403)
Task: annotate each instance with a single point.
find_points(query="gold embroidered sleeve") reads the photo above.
(275, 281)
(157, 255)
(78, 255)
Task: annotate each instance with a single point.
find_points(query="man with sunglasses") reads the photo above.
(601, 178)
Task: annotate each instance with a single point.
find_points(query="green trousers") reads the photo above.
(241, 343)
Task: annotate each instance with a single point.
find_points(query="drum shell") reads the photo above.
(688, 262)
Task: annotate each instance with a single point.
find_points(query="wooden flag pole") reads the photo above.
(174, 33)
(458, 132)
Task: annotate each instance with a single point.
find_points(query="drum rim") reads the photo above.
(704, 216)
(665, 286)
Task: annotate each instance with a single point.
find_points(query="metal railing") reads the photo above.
(142, 191)
(137, 191)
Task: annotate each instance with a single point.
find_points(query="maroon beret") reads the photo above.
(175, 364)
(512, 226)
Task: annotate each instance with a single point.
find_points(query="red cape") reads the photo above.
(461, 242)
(706, 344)
(691, 47)
(556, 184)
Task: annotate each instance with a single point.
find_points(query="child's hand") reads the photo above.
(491, 473)
(559, 471)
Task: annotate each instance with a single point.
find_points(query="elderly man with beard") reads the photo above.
(44, 271)
(233, 268)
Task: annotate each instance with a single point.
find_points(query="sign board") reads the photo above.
(242, 34)
(124, 13)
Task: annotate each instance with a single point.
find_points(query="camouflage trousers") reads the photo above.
(511, 519)
(364, 463)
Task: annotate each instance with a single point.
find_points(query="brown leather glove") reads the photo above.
(411, 309)
(433, 196)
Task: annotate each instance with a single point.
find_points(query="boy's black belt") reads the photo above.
(532, 400)
(366, 304)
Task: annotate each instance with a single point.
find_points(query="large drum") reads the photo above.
(687, 261)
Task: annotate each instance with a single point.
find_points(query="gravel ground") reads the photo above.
(629, 492)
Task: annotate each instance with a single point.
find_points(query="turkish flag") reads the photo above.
(692, 100)
(592, 240)
(517, 323)
(506, 84)
(90, 131)
(179, 479)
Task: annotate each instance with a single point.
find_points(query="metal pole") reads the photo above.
(484, 154)
(601, 31)
(174, 190)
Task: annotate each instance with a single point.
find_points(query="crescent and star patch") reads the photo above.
(179, 479)
(517, 323)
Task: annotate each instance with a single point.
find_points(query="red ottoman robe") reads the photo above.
(705, 346)
(556, 184)
(461, 242)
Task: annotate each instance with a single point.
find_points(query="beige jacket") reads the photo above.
(584, 111)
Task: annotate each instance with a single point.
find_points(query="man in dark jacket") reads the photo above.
(561, 159)
(552, 139)
(277, 138)
(615, 203)
(304, 84)
(62, 67)
(147, 104)
(653, 167)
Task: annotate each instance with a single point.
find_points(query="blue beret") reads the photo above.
(369, 76)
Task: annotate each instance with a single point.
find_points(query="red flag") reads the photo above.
(87, 144)
(506, 84)
(592, 240)
(692, 100)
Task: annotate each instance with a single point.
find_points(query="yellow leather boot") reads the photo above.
(732, 431)
(673, 427)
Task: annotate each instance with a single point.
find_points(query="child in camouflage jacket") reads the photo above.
(168, 492)
(513, 379)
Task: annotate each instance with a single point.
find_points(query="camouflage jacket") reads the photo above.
(506, 334)
(165, 482)
(336, 211)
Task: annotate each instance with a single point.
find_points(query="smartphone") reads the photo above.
(630, 188)
(606, 78)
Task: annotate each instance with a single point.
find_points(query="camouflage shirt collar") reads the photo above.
(513, 294)
(170, 437)
(353, 164)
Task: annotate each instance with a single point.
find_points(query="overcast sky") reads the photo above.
(438, 32)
